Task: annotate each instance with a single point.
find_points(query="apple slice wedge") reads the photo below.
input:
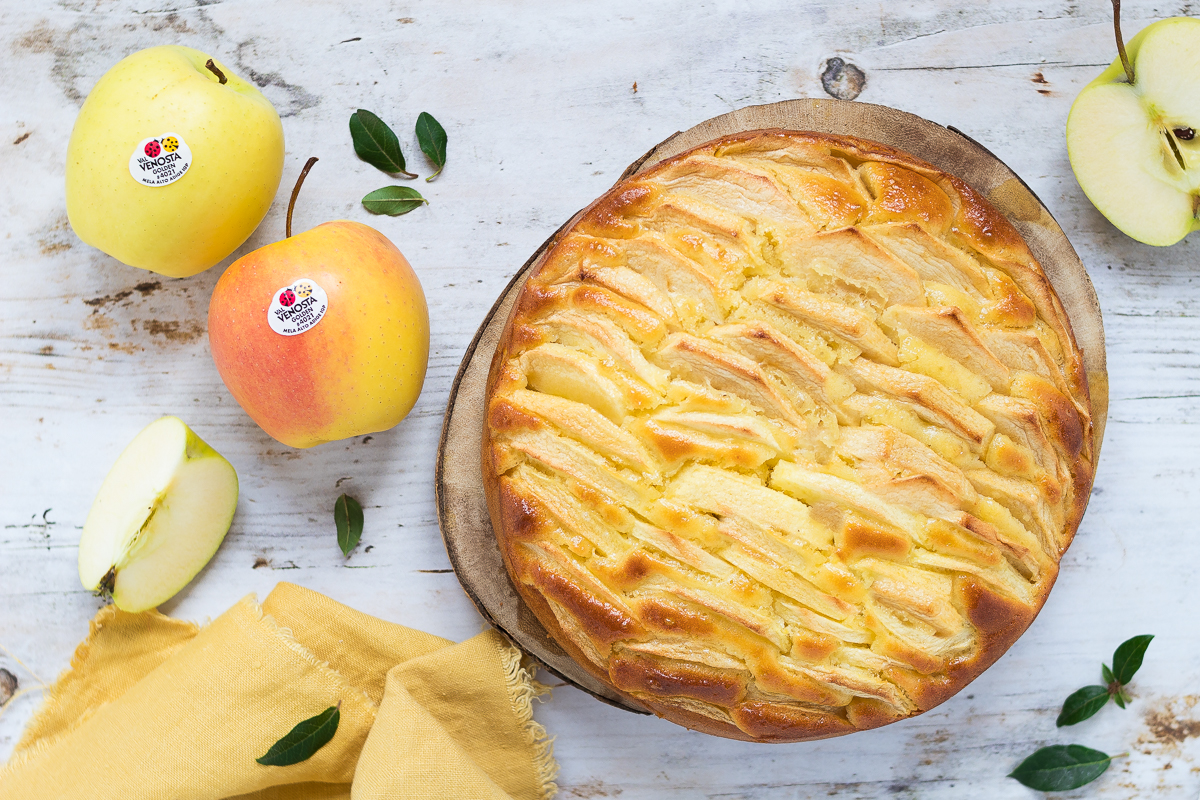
(159, 517)
(1131, 134)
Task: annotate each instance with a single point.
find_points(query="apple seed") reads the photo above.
(1184, 134)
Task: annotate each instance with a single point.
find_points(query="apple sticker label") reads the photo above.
(160, 160)
(297, 308)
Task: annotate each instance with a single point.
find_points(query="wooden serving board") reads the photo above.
(462, 508)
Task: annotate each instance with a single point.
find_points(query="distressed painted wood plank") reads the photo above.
(538, 101)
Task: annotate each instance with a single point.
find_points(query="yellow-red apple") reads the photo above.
(322, 335)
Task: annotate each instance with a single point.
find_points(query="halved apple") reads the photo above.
(1131, 134)
(159, 517)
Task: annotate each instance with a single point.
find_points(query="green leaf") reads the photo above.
(393, 200)
(1120, 699)
(1082, 704)
(305, 739)
(1061, 767)
(348, 516)
(432, 138)
(376, 144)
(1128, 658)
(1106, 673)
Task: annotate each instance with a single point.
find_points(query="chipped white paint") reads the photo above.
(538, 101)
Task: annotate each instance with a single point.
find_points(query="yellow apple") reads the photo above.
(172, 164)
(323, 335)
(1132, 134)
(158, 518)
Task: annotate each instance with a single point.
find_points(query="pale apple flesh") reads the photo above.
(1135, 148)
(236, 141)
(357, 371)
(158, 518)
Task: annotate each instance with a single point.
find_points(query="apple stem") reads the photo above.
(296, 193)
(1121, 41)
(216, 71)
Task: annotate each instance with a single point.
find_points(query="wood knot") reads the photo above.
(842, 80)
(8, 686)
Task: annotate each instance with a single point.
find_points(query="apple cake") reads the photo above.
(785, 436)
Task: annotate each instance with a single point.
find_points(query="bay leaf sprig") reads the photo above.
(376, 143)
(1061, 767)
(431, 136)
(393, 200)
(348, 517)
(304, 740)
(1085, 702)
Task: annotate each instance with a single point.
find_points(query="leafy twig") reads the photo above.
(1085, 702)
(1061, 767)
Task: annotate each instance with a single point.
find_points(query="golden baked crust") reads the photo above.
(786, 437)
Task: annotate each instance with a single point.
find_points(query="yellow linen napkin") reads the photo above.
(153, 708)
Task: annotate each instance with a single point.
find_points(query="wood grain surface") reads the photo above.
(538, 100)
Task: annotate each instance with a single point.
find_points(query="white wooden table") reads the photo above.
(538, 100)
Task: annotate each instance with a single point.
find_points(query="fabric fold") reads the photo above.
(156, 708)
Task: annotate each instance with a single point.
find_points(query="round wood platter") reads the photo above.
(462, 508)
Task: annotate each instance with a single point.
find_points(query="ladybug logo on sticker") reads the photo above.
(160, 160)
(297, 308)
